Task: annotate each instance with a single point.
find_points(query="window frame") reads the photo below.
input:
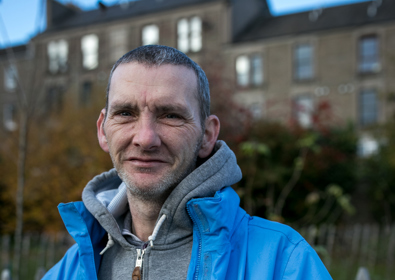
(9, 116)
(88, 54)
(57, 63)
(252, 71)
(117, 47)
(365, 118)
(142, 34)
(85, 97)
(365, 63)
(190, 35)
(10, 78)
(297, 114)
(297, 65)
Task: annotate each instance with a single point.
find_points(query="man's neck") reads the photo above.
(144, 216)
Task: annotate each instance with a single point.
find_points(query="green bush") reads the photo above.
(297, 175)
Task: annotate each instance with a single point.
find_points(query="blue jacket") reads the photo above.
(227, 244)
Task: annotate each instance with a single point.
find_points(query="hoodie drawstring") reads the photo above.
(152, 237)
(110, 243)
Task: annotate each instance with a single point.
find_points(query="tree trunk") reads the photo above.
(22, 147)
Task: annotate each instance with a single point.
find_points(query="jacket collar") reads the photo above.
(87, 233)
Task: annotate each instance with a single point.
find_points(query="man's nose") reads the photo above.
(146, 135)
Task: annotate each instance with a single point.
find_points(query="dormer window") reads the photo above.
(150, 35)
(57, 56)
(189, 32)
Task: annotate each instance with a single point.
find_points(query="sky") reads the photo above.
(20, 20)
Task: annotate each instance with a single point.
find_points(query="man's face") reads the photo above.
(152, 130)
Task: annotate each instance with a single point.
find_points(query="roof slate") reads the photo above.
(351, 15)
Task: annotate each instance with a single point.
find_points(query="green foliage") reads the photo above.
(252, 148)
(377, 176)
(312, 171)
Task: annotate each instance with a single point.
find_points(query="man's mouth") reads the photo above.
(145, 162)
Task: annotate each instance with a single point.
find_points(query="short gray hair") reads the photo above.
(155, 55)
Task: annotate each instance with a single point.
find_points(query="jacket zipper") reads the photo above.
(136, 275)
(200, 243)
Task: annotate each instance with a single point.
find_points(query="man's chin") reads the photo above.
(149, 189)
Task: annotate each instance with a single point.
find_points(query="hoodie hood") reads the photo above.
(105, 197)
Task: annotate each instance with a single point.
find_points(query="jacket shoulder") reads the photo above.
(261, 226)
(66, 268)
(279, 252)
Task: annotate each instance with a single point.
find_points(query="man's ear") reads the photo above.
(101, 134)
(210, 136)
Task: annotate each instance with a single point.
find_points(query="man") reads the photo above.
(167, 207)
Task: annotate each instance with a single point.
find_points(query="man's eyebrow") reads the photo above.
(123, 106)
(176, 108)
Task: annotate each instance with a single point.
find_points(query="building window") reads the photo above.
(256, 110)
(9, 117)
(368, 107)
(303, 109)
(54, 99)
(57, 55)
(10, 78)
(189, 34)
(85, 95)
(256, 70)
(303, 60)
(369, 61)
(243, 70)
(90, 51)
(150, 35)
(118, 44)
(249, 70)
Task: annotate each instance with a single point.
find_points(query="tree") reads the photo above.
(291, 172)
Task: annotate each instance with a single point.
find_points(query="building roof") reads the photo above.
(73, 18)
(351, 15)
(18, 51)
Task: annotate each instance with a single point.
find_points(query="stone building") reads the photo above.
(345, 55)
(282, 67)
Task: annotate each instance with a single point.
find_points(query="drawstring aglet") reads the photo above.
(110, 243)
(152, 237)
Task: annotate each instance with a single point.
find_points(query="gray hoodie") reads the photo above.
(169, 257)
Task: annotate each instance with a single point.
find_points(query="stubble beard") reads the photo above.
(158, 194)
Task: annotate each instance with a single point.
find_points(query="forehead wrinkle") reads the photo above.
(156, 80)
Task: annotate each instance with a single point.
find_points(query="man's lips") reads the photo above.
(145, 162)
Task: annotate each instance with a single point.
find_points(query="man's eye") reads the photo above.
(172, 116)
(125, 114)
(172, 119)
